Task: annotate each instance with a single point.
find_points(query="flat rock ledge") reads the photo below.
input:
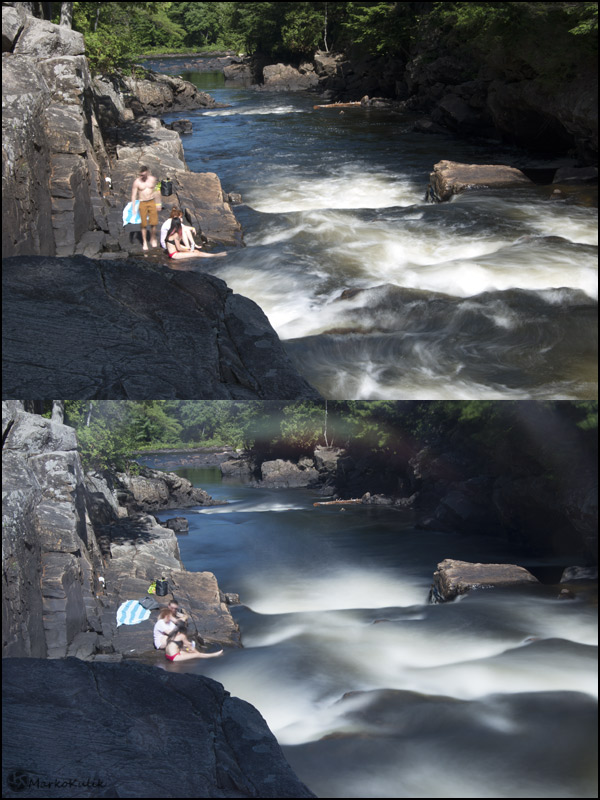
(449, 178)
(82, 329)
(114, 730)
(453, 578)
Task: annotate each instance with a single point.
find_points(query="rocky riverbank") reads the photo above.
(450, 488)
(507, 99)
(73, 145)
(72, 553)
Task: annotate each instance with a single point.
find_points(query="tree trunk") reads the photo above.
(325, 31)
(325, 429)
(66, 14)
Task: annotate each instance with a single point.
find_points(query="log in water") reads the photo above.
(492, 295)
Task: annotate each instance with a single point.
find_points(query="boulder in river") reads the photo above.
(454, 578)
(178, 524)
(449, 178)
(122, 730)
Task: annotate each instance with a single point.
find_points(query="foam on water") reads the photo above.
(253, 112)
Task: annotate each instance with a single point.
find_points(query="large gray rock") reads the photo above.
(280, 77)
(453, 578)
(152, 490)
(159, 94)
(80, 328)
(12, 25)
(43, 39)
(449, 178)
(283, 474)
(121, 730)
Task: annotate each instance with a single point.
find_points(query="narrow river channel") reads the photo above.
(493, 295)
(371, 690)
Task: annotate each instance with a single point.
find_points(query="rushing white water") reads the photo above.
(337, 202)
(371, 690)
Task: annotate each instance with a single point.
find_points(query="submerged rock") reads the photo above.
(79, 328)
(453, 578)
(117, 729)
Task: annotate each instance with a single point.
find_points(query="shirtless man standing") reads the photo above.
(143, 186)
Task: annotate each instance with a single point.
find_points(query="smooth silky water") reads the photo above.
(371, 690)
(492, 295)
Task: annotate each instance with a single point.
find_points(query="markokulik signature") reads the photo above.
(19, 780)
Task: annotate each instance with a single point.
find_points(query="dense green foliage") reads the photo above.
(547, 35)
(111, 432)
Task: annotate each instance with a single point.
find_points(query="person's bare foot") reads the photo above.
(153, 243)
(145, 246)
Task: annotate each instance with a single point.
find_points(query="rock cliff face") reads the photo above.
(121, 727)
(79, 328)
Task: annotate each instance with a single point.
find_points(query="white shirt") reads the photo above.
(161, 630)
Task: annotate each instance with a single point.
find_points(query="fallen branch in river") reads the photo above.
(336, 502)
(339, 105)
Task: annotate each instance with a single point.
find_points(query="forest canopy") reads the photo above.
(117, 33)
(111, 432)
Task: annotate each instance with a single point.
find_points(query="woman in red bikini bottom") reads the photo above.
(180, 648)
(175, 248)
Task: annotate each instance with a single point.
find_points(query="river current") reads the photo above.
(492, 295)
(371, 690)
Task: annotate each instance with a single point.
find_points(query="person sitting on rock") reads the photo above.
(166, 623)
(143, 186)
(180, 648)
(187, 232)
(176, 250)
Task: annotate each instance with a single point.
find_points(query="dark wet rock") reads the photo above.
(241, 467)
(240, 73)
(571, 574)
(79, 328)
(449, 178)
(230, 598)
(178, 524)
(224, 743)
(454, 578)
(576, 175)
(181, 126)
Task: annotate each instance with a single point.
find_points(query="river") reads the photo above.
(492, 295)
(371, 690)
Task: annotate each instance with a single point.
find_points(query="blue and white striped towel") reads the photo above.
(131, 214)
(131, 612)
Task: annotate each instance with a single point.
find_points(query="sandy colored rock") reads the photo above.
(459, 577)
(449, 178)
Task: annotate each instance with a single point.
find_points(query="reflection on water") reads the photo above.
(372, 691)
(335, 203)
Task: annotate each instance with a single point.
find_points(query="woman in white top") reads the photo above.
(166, 624)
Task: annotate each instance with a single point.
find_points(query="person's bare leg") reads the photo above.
(144, 237)
(153, 240)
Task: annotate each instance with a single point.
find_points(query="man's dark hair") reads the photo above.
(144, 169)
